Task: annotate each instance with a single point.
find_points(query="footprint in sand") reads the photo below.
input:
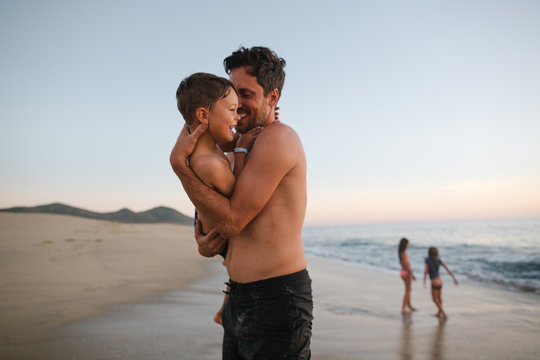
(43, 243)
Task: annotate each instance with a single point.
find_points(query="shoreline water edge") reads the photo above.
(501, 253)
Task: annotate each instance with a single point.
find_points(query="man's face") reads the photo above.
(253, 106)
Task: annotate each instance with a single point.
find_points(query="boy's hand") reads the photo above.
(185, 144)
(210, 244)
(246, 140)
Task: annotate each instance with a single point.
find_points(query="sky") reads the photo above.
(407, 110)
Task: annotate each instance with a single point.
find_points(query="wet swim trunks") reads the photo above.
(436, 287)
(269, 319)
(224, 251)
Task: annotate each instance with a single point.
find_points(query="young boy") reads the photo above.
(213, 100)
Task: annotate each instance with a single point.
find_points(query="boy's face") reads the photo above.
(223, 118)
(253, 106)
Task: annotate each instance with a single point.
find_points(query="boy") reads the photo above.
(212, 100)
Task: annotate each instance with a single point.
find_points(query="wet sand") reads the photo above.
(358, 317)
(154, 298)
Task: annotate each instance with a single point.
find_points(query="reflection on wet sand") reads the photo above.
(437, 345)
(437, 349)
(406, 350)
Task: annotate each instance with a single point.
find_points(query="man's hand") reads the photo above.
(184, 145)
(210, 244)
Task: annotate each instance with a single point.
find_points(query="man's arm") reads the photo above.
(210, 244)
(276, 152)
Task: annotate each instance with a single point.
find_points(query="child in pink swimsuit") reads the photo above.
(406, 274)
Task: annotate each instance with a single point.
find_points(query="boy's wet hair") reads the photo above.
(201, 90)
(260, 62)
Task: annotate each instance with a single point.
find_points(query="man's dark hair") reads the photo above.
(260, 62)
(201, 90)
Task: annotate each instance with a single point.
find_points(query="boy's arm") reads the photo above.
(277, 152)
(239, 162)
(244, 142)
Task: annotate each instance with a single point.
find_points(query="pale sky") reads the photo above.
(408, 110)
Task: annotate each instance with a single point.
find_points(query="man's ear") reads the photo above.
(273, 97)
(201, 114)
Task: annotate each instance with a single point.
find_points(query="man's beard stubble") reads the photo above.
(259, 121)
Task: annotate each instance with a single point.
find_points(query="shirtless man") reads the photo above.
(269, 311)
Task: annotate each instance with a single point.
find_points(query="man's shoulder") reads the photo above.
(281, 143)
(278, 130)
(278, 126)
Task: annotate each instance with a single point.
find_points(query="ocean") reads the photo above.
(503, 253)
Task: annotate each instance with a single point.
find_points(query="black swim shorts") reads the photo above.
(269, 319)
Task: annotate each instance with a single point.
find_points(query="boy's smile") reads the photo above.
(223, 118)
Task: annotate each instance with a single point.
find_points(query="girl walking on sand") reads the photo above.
(432, 267)
(406, 274)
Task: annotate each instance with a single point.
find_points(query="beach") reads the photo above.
(74, 288)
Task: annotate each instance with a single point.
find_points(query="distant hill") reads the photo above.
(159, 214)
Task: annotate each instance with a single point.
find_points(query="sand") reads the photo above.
(56, 269)
(358, 317)
(73, 288)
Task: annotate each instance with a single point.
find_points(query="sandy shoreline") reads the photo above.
(74, 288)
(56, 269)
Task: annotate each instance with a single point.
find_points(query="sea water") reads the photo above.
(495, 252)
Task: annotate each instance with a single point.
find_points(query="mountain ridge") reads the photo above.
(159, 214)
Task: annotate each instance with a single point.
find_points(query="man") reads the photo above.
(269, 311)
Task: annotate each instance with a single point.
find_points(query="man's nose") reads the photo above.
(240, 103)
